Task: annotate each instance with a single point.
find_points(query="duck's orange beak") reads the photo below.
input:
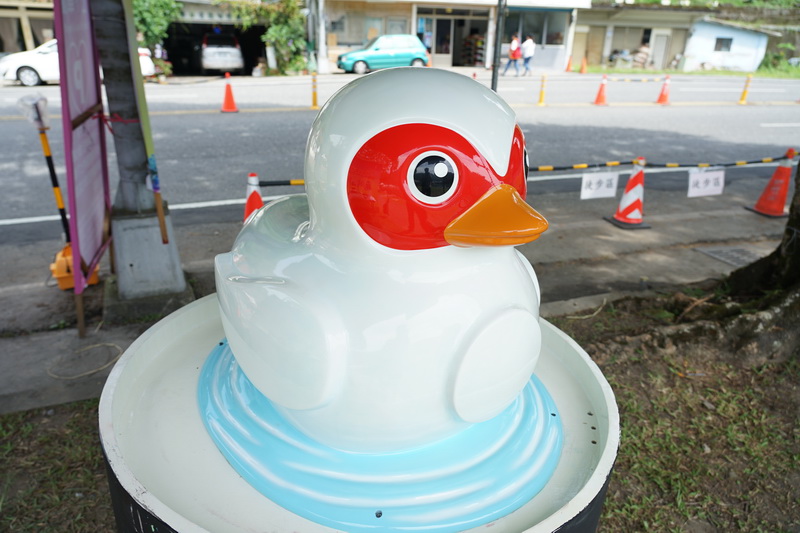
(500, 218)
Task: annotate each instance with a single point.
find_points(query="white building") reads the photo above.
(714, 44)
(608, 31)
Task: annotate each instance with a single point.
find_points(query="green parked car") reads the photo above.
(385, 51)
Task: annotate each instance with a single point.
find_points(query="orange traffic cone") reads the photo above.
(601, 92)
(228, 105)
(663, 97)
(253, 202)
(631, 206)
(474, 75)
(569, 64)
(583, 65)
(773, 200)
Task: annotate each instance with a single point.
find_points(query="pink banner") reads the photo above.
(88, 194)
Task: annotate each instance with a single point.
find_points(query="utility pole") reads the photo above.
(323, 65)
(498, 43)
(144, 254)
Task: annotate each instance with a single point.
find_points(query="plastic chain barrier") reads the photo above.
(704, 165)
(281, 183)
(550, 168)
(579, 166)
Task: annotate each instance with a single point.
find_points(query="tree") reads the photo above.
(285, 28)
(780, 270)
(153, 17)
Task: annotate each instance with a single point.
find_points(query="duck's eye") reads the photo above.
(432, 177)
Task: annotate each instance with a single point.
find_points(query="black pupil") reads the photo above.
(434, 176)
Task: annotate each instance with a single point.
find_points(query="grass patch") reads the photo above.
(709, 440)
(706, 445)
(53, 477)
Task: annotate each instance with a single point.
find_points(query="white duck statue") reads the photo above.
(388, 308)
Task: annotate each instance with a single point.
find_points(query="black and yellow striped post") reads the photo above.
(61, 267)
(51, 167)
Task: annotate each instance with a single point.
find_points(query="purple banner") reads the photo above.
(88, 193)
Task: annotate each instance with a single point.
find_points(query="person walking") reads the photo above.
(642, 56)
(514, 53)
(528, 49)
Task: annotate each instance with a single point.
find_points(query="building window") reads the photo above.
(723, 44)
(373, 26)
(337, 26)
(546, 27)
(396, 25)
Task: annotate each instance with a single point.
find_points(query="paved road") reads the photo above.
(204, 155)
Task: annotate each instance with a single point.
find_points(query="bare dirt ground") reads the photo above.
(709, 397)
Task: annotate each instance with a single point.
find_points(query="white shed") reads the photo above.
(715, 44)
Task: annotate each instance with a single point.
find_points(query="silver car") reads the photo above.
(221, 51)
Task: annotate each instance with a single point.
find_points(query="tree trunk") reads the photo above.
(780, 269)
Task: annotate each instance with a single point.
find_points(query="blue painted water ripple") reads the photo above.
(472, 478)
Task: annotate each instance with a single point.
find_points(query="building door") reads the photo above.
(442, 55)
(677, 44)
(659, 44)
(594, 45)
(579, 46)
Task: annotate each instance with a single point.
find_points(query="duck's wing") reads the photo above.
(287, 339)
(498, 361)
(499, 358)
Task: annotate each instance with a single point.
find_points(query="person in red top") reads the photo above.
(514, 53)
